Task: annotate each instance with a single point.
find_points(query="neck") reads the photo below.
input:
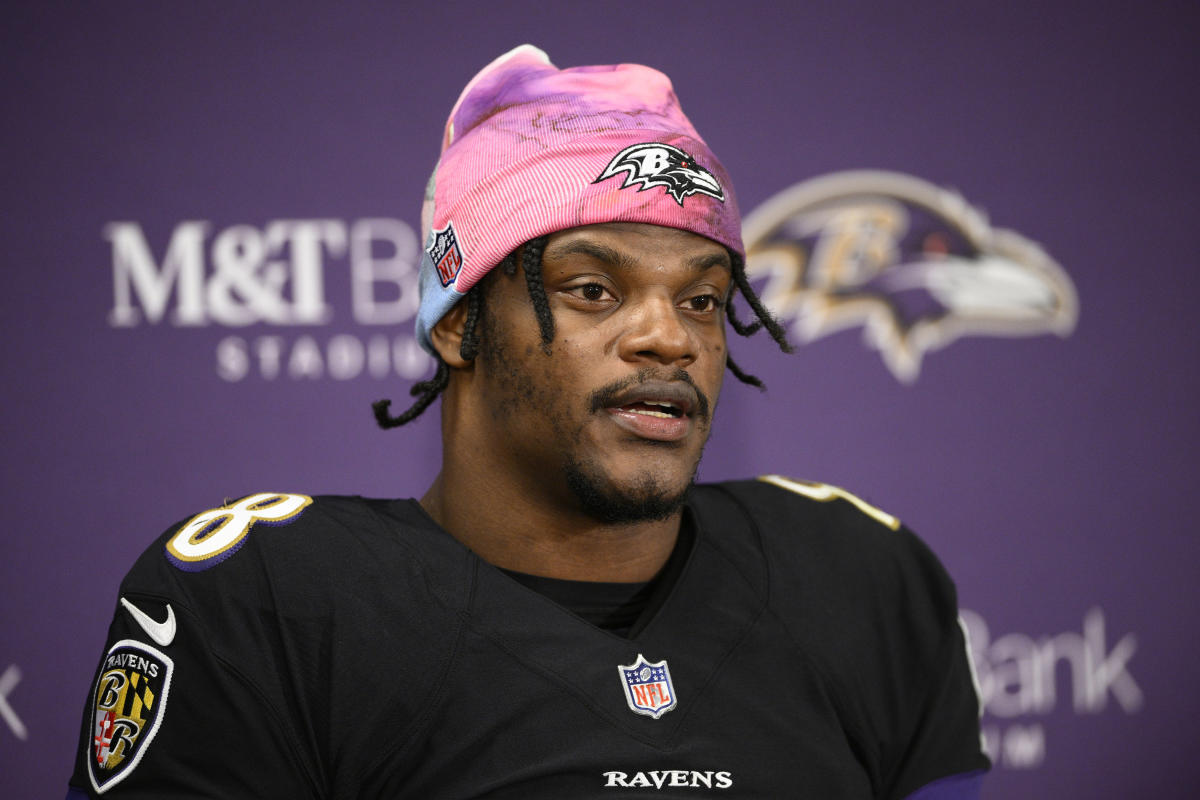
(504, 527)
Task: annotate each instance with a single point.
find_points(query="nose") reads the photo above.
(657, 332)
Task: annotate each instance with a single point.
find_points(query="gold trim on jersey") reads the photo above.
(824, 492)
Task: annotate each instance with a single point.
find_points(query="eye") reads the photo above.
(591, 292)
(703, 302)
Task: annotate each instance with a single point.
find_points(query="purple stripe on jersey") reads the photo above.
(954, 787)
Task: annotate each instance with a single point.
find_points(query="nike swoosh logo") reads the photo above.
(161, 632)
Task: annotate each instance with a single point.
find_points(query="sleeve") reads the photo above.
(887, 628)
(168, 716)
(941, 739)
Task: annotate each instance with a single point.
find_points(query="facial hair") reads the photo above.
(642, 499)
(605, 502)
(646, 499)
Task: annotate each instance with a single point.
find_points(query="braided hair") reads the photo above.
(530, 257)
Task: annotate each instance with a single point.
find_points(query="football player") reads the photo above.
(563, 613)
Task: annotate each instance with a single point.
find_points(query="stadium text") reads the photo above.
(342, 357)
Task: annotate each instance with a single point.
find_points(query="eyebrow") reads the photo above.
(616, 258)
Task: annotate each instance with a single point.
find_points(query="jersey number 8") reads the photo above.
(212, 536)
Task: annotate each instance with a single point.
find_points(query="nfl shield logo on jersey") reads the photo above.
(127, 708)
(648, 688)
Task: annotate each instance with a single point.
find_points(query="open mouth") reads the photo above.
(654, 408)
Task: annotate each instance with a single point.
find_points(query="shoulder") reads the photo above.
(771, 497)
(265, 608)
(215, 535)
(868, 605)
(824, 541)
(262, 523)
(257, 577)
(292, 548)
(813, 518)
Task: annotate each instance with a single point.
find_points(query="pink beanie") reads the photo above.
(530, 149)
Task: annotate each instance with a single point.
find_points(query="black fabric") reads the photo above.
(615, 607)
(359, 651)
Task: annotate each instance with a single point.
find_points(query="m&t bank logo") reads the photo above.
(1021, 681)
(281, 275)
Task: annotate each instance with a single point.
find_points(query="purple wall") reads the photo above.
(1052, 474)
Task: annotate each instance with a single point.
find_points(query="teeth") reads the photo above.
(650, 408)
(661, 414)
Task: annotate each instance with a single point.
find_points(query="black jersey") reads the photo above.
(341, 647)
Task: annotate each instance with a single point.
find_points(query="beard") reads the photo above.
(642, 497)
(644, 500)
(645, 497)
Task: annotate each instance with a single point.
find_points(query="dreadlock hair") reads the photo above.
(529, 255)
(531, 259)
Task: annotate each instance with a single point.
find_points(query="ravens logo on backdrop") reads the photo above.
(914, 265)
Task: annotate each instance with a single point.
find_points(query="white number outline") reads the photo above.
(199, 540)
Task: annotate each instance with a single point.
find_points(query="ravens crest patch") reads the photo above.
(127, 706)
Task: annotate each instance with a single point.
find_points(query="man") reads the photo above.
(562, 614)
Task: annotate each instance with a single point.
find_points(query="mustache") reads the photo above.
(606, 395)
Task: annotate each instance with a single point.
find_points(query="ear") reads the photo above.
(447, 336)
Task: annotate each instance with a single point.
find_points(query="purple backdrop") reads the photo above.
(1052, 474)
